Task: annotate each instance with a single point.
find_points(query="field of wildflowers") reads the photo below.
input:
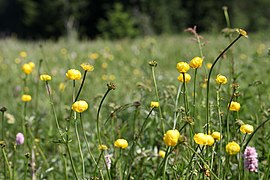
(178, 107)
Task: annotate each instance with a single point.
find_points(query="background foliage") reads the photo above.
(83, 18)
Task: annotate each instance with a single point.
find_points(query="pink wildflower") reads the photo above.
(250, 159)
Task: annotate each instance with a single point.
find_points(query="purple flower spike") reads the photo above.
(250, 159)
(19, 139)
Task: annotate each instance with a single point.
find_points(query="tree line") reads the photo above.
(35, 19)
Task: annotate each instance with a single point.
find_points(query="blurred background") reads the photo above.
(90, 19)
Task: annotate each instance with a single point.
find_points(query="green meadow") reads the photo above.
(60, 143)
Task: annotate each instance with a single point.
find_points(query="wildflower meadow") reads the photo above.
(189, 106)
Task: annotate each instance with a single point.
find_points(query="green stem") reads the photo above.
(71, 161)
(80, 89)
(7, 163)
(166, 162)
(176, 105)
(79, 147)
(208, 80)
(99, 108)
(220, 129)
(37, 86)
(227, 116)
(156, 90)
(3, 126)
(194, 94)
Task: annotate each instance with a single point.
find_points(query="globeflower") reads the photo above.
(45, 77)
(161, 153)
(102, 147)
(203, 139)
(27, 68)
(182, 67)
(246, 129)
(23, 54)
(232, 148)
(221, 79)
(216, 135)
(80, 106)
(73, 74)
(121, 143)
(196, 62)
(26, 98)
(171, 137)
(87, 67)
(234, 106)
(154, 104)
(181, 77)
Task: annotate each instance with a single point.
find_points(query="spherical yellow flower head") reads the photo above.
(234, 106)
(26, 98)
(196, 63)
(182, 67)
(104, 65)
(93, 56)
(161, 153)
(80, 106)
(246, 129)
(232, 148)
(200, 138)
(209, 140)
(73, 74)
(62, 86)
(32, 64)
(154, 104)
(27, 68)
(23, 54)
(171, 137)
(45, 77)
(87, 67)
(216, 136)
(221, 79)
(121, 143)
(208, 65)
(181, 77)
(242, 32)
(102, 147)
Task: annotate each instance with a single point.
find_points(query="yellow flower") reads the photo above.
(32, 64)
(208, 65)
(104, 65)
(111, 77)
(102, 147)
(23, 54)
(181, 77)
(216, 135)
(121, 143)
(242, 32)
(246, 129)
(196, 62)
(232, 148)
(63, 51)
(87, 67)
(26, 98)
(199, 138)
(182, 67)
(93, 56)
(73, 74)
(62, 86)
(161, 153)
(27, 68)
(79, 106)
(154, 104)
(234, 106)
(221, 79)
(209, 140)
(171, 137)
(45, 77)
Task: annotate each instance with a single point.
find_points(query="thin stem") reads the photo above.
(37, 86)
(80, 89)
(208, 81)
(220, 129)
(176, 105)
(227, 117)
(166, 162)
(79, 147)
(71, 161)
(194, 94)
(7, 163)
(99, 108)
(3, 126)
(156, 90)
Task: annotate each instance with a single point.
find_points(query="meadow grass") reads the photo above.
(125, 112)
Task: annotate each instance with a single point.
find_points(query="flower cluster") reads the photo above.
(203, 139)
(250, 159)
(232, 148)
(28, 67)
